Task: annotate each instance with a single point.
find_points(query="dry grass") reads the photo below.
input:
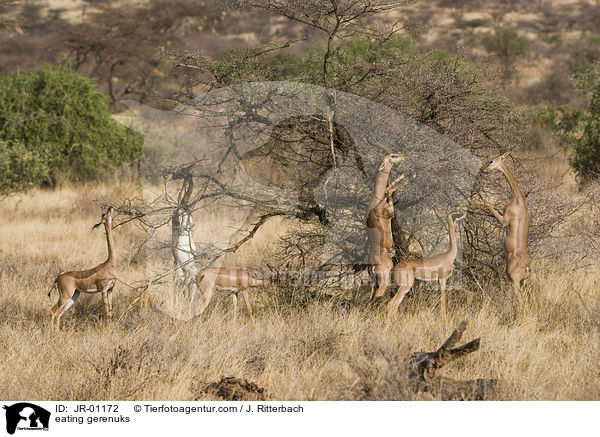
(321, 351)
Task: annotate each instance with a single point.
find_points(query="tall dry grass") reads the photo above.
(317, 351)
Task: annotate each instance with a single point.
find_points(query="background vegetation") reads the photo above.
(56, 126)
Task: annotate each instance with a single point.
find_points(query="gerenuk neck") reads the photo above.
(453, 249)
(381, 182)
(109, 243)
(512, 182)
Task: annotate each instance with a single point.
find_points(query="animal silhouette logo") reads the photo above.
(26, 416)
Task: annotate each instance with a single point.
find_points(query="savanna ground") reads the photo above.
(316, 351)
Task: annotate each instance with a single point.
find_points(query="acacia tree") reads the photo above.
(336, 19)
(441, 90)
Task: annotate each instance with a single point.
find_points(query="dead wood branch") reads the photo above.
(425, 366)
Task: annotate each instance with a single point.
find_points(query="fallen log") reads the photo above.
(425, 367)
(230, 388)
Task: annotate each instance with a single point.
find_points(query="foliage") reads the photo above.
(20, 168)
(564, 120)
(442, 90)
(56, 126)
(506, 43)
(589, 80)
(508, 46)
(358, 59)
(585, 158)
(579, 129)
(584, 53)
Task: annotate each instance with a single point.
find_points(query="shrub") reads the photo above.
(507, 45)
(585, 158)
(19, 167)
(56, 126)
(584, 53)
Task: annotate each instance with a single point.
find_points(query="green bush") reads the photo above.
(584, 53)
(585, 158)
(20, 168)
(55, 126)
(506, 43)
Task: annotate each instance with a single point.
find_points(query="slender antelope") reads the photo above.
(381, 211)
(435, 268)
(236, 280)
(515, 224)
(100, 279)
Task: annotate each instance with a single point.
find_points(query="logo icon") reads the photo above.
(26, 416)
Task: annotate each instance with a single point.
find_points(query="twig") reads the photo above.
(134, 302)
